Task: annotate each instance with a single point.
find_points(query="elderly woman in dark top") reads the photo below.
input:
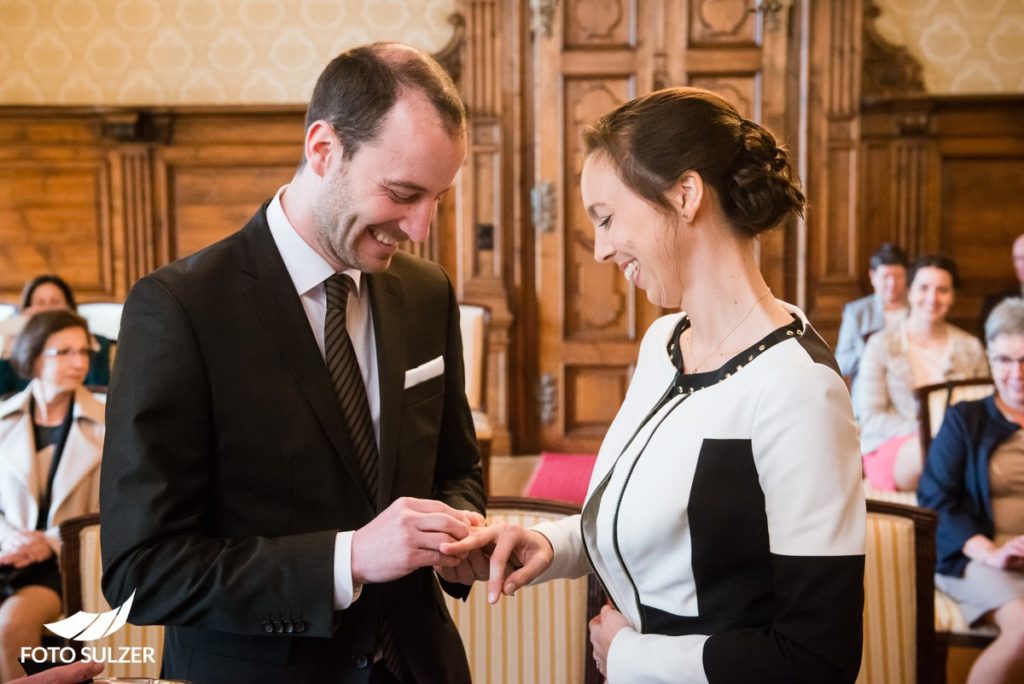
(974, 478)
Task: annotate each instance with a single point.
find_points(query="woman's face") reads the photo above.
(631, 233)
(47, 297)
(931, 294)
(1005, 355)
(64, 361)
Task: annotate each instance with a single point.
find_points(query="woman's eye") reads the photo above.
(605, 222)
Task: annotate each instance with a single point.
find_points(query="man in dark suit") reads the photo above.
(1015, 290)
(289, 440)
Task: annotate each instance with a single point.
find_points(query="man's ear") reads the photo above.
(321, 145)
(688, 195)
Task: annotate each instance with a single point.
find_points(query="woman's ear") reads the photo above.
(321, 143)
(688, 195)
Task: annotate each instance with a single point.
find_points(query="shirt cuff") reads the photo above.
(345, 590)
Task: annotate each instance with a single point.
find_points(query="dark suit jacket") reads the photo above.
(227, 468)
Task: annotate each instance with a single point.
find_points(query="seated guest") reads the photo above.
(865, 316)
(51, 436)
(921, 349)
(1014, 290)
(45, 293)
(974, 479)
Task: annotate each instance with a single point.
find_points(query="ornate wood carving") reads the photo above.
(600, 23)
(542, 16)
(450, 56)
(722, 22)
(888, 69)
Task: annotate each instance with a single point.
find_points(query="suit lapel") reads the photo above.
(273, 297)
(389, 332)
(81, 456)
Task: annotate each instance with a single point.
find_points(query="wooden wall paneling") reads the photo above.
(835, 256)
(487, 216)
(589, 316)
(54, 202)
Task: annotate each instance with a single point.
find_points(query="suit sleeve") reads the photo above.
(458, 479)
(849, 346)
(158, 468)
(809, 470)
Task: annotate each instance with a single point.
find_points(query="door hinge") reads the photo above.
(542, 204)
(547, 398)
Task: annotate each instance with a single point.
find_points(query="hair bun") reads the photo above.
(761, 191)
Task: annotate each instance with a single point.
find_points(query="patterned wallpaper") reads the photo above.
(152, 52)
(964, 46)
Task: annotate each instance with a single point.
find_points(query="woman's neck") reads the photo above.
(51, 404)
(925, 331)
(729, 305)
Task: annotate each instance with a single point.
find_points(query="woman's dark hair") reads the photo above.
(888, 255)
(934, 261)
(32, 338)
(358, 88)
(49, 278)
(653, 140)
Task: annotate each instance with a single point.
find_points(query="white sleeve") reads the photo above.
(570, 559)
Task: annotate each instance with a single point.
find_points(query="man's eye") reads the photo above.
(398, 197)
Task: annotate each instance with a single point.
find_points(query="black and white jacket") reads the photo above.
(725, 517)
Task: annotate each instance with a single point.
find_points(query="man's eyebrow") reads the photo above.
(414, 187)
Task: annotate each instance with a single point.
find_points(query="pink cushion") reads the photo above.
(563, 477)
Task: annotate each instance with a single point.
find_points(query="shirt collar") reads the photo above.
(306, 268)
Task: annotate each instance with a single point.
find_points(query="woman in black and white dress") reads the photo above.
(725, 516)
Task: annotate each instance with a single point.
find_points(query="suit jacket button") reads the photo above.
(267, 627)
(361, 660)
(289, 627)
(300, 626)
(278, 627)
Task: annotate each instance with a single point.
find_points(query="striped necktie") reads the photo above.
(343, 367)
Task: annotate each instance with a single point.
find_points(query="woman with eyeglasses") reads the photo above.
(921, 349)
(974, 478)
(51, 438)
(46, 293)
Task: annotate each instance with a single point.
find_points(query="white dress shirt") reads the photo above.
(308, 271)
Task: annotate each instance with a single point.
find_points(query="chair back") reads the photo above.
(104, 318)
(933, 400)
(81, 570)
(540, 634)
(474, 321)
(899, 588)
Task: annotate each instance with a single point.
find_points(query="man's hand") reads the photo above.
(475, 565)
(407, 535)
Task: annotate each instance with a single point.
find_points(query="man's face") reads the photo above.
(1018, 258)
(388, 191)
(890, 283)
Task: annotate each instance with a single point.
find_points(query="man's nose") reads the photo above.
(417, 222)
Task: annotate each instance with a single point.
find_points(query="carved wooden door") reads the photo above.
(588, 57)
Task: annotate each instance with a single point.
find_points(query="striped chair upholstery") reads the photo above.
(539, 635)
(82, 569)
(899, 568)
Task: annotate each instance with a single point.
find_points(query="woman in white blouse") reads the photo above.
(921, 349)
(725, 514)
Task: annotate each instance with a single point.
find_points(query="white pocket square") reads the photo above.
(424, 372)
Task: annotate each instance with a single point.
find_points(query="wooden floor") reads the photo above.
(509, 474)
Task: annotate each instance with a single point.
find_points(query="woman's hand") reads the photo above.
(603, 629)
(525, 552)
(24, 548)
(1009, 556)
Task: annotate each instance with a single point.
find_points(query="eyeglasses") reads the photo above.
(67, 353)
(1006, 360)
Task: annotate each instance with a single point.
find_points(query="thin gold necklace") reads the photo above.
(724, 338)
